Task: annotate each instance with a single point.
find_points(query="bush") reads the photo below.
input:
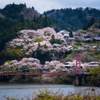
(94, 77)
(87, 41)
(86, 94)
(83, 31)
(8, 61)
(95, 71)
(13, 53)
(39, 40)
(58, 41)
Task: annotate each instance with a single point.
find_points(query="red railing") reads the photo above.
(38, 74)
(78, 70)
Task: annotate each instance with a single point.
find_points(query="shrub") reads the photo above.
(8, 61)
(95, 71)
(76, 37)
(39, 40)
(87, 41)
(86, 94)
(58, 41)
(45, 95)
(13, 53)
(83, 31)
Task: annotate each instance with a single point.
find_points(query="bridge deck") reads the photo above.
(39, 74)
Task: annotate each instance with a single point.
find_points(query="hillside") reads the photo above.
(63, 18)
(18, 17)
(72, 18)
(28, 44)
(14, 11)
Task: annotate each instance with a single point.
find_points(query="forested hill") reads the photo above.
(72, 18)
(14, 11)
(14, 18)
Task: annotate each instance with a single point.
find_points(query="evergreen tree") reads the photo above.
(71, 34)
(91, 22)
(39, 46)
(84, 27)
(53, 37)
(46, 21)
(45, 46)
(37, 20)
(50, 21)
(40, 17)
(36, 27)
(34, 19)
(33, 26)
(22, 17)
(33, 8)
(56, 29)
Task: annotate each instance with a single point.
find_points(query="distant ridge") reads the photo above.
(72, 18)
(13, 11)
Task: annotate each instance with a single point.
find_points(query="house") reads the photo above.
(81, 48)
(65, 33)
(88, 47)
(76, 34)
(66, 36)
(71, 39)
(68, 65)
(72, 64)
(93, 64)
(96, 47)
(87, 37)
(71, 47)
(97, 39)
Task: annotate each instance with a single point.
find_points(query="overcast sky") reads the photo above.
(44, 5)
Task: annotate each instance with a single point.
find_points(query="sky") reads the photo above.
(44, 5)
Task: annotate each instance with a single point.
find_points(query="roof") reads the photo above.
(71, 39)
(64, 31)
(66, 34)
(97, 38)
(86, 35)
(94, 62)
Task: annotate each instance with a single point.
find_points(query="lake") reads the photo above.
(23, 90)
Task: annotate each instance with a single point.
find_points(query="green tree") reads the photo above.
(45, 46)
(95, 71)
(56, 29)
(84, 27)
(40, 17)
(39, 45)
(91, 22)
(71, 34)
(50, 21)
(46, 21)
(34, 19)
(53, 37)
(22, 17)
(33, 26)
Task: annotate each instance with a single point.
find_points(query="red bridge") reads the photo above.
(39, 74)
(78, 70)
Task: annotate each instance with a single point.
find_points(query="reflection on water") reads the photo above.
(25, 90)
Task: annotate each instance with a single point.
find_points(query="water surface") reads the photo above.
(19, 91)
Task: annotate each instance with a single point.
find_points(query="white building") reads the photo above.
(93, 64)
(65, 33)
